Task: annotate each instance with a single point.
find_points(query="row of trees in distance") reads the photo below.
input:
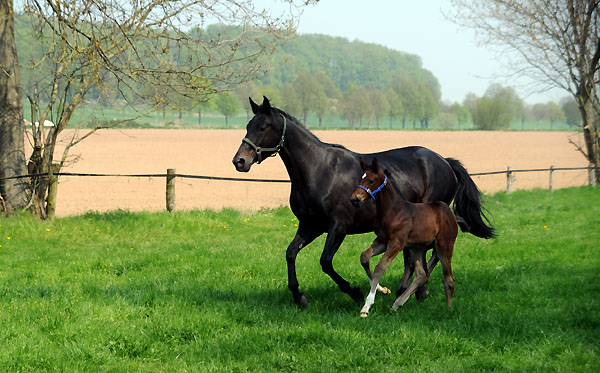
(409, 101)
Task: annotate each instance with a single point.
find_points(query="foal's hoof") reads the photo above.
(364, 314)
(357, 294)
(301, 301)
(422, 293)
(384, 290)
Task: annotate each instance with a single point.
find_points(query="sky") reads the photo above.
(417, 27)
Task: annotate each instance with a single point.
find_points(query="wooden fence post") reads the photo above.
(170, 189)
(591, 175)
(551, 181)
(509, 180)
(52, 191)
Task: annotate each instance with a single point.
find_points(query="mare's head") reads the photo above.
(265, 134)
(371, 182)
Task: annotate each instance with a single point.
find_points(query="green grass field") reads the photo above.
(207, 291)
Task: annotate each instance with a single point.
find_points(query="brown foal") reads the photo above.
(401, 224)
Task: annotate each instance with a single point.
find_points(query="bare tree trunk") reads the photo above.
(15, 193)
(590, 133)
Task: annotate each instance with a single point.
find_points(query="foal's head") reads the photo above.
(372, 181)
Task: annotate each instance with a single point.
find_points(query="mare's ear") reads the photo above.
(266, 105)
(374, 165)
(364, 165)
(253, 106)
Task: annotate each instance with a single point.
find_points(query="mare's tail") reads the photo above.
(467, 204)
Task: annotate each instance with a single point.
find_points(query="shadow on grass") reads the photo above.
(511, 306)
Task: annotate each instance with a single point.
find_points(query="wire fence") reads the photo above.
(171, 175)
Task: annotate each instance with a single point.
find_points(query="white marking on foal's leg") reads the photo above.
(368, 303)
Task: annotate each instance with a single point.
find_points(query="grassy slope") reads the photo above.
(208, 291)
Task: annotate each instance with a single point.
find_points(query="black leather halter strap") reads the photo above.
(276, 149)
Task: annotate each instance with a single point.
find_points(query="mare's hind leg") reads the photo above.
(421, 278)
(393, 248)
(376, 248)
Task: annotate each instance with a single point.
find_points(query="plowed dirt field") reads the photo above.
(209, 152)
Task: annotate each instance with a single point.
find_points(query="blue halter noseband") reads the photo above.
(373, 193)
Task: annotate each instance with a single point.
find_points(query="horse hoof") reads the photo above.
(385, 290)
(301, 301)
(364, 314)
(422, 294)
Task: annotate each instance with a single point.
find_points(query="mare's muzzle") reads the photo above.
(244, 158)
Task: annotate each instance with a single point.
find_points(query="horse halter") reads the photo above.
(373, 193)
(276, 149)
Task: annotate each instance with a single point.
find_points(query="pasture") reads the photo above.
(207, 291)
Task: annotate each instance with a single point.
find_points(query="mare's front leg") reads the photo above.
(376, 248)
(304, 236)
(335, 236)
(393, 248)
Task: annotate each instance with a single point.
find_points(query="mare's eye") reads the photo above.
(263, 126)
(371, 181)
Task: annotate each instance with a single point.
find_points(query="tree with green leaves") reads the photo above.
(121, 48)
(291, 102)
(310, 94)
(395, 106)
(555, 113)
(556, 43)
(491, 114)
(243, 92)
(461, 113)
(228, 105)
(379, 105)
(355, 105)
(572, 113)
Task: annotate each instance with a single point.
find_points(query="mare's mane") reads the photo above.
(305, 130)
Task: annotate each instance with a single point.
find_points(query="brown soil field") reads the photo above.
(209, 152)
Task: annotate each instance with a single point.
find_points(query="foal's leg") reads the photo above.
(393, 248)
(376, 248)
(421, 278)
(446, 248)
(409, 267)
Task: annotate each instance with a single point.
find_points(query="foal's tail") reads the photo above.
(467, 205)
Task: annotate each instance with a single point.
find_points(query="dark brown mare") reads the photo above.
(399, 225)
(324, 175)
